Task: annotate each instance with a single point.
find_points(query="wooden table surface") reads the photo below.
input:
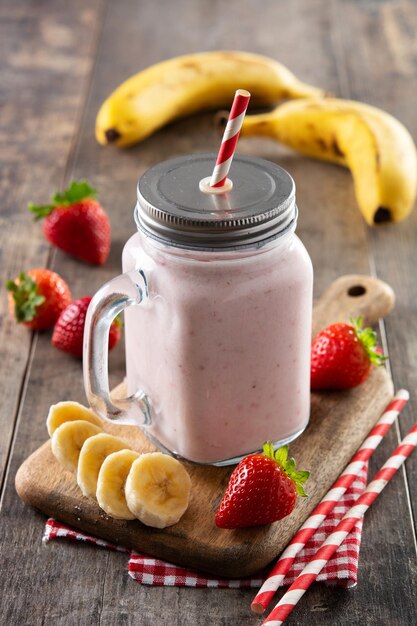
(59, 61)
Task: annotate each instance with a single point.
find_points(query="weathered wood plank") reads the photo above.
(383, 36)
(47, 56)
(389, 58)
(45, 62)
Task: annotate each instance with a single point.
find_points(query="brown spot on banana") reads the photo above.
(377, 160)
(262, 124)
(285, 94)
(382, 214)
(190, 65)
(112, 135)
(321, 144)
(337, 149)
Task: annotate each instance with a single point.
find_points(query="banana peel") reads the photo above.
(187, 84)
(378, 150)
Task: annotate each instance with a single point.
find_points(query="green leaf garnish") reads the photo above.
(288, 465)
(77, 191)
(26, 297)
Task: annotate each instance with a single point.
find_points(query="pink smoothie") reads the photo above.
(222, 346)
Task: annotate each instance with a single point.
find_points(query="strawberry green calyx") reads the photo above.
(368, 339)
(288, 465)
(118, 321)
(26, 297)
(76, 192)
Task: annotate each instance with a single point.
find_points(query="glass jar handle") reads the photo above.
(110, 300)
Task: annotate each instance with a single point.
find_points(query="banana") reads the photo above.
(375, 146)
(111, 481)
(67, 412)
(188, 84)
(68, 440)
(93, 452)
(157, 489)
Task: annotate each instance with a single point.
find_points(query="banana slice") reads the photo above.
(111, 483)
(68, 412)
(92, 455)
(157, 489)
(68, 440)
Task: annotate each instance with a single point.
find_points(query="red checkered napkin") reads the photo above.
(341, 570)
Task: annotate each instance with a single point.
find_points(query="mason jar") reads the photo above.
(217, 300)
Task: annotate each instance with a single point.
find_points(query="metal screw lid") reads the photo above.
(172, 208)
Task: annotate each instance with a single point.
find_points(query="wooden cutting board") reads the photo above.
(339, 423)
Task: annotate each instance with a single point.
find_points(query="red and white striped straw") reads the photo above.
(279, 571)
(309, 574)
(230, 137)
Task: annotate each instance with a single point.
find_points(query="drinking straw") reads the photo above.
(230, 137)
(289, 600)
(280, 569)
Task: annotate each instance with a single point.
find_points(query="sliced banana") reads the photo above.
(111, 483)
(68, 411)
(68, 439)
(157, 489)
(92, 455)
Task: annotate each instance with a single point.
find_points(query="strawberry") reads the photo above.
(69, 330)
(262, 489)
(38, 297)
(76, 223)
(342, 356)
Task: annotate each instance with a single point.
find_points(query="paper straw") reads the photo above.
(280, 569)
(230, 137)
(289, 600)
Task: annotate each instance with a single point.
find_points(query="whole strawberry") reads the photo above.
(262, 489)
(37, 298)
(69, 330)
(342, 356)
(76, 223)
